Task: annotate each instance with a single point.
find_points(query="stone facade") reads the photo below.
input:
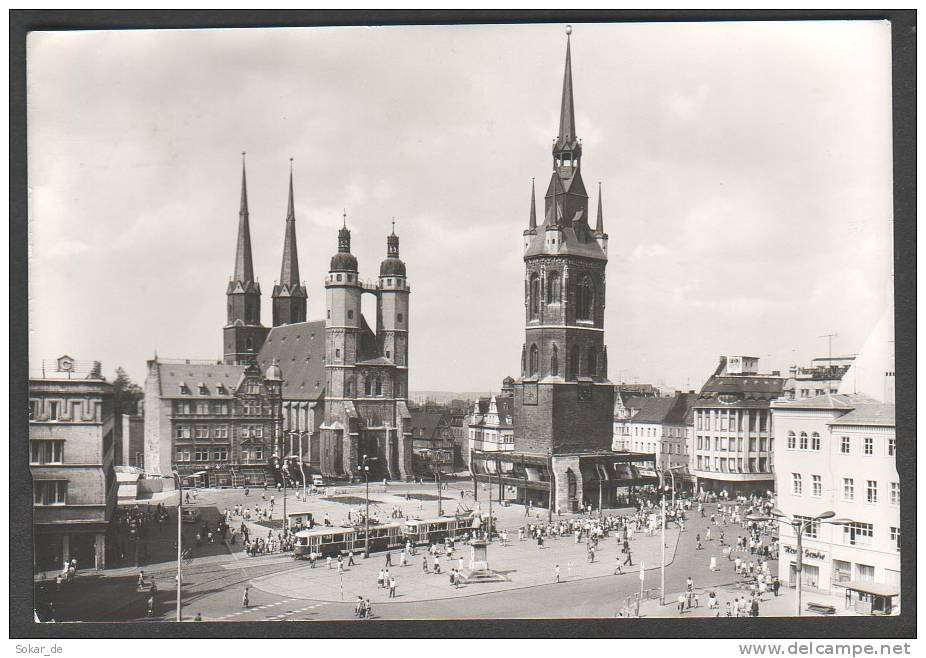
(72, 444)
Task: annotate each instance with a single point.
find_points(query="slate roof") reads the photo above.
(681, 410)
(570, 246)
(654, 410)
(425, 424)
(826, 401)
(868, 414)
(220, 380)
(300, 348)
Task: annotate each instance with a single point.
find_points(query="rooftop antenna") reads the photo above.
(829, 338)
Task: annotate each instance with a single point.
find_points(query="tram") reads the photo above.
(325, 541)
(430, 531)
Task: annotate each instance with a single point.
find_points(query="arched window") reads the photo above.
(592, 366)
(792, 441)
(523, 361)
(348, 388)
(553, 288)
(535, 357)
(585, 295)
(379, 386)
(249, 344)
(535, 296)
(554, 362)
(572, 363)
(366, 385)
(803, 445)
(815, 441)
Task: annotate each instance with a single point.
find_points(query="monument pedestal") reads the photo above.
(479, 571)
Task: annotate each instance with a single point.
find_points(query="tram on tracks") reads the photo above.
(333, 541)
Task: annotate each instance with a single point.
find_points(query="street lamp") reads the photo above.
(293, 433)
(179, 537)
(364, 466)
(800, 527)
(662, 569)
(273, 380)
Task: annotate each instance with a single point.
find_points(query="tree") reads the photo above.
(126, 393)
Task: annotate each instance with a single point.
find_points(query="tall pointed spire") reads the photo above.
(567, 120)
(533, 222)
(289, 272)
(244, 266)
(599, 227)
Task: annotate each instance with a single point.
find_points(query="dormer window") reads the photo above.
(202, 389)
(183, 389)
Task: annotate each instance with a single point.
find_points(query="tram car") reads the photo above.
(328, 541)
(428, 531)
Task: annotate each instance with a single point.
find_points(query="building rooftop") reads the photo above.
(300, 348)
(826, 401)
(868, 414)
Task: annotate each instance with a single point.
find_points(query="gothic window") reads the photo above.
(592, 364)
(523, 361)
(249, 344)
(366, 386)
(572, 363)
(585, 296)
(535, 296)
(348, 388)
(534, 360)
(554, 362)
(553, 288)
(379, 386)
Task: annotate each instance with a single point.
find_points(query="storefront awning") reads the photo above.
(876, 589)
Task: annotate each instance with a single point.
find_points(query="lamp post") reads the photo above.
(293, 433)
(273, 380)
(800, 527)
(552, 483)
(179, 537)
(364, 466)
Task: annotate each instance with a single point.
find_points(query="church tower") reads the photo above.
(392, 314)
(563, 399)
(289, 295)
(243, 334)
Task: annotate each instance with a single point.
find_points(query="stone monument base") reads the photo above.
(479, 571)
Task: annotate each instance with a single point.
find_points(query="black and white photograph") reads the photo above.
(555, 320)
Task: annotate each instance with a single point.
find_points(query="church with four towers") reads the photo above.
(342, 384)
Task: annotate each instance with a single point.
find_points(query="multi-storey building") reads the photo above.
(343, 385)
(838, 453)
(822, 377)
(628, 399)
(732, 440)
(563, 402)
(490, 426)
(73, 435)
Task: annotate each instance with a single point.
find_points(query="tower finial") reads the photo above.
(599, 227)
(290, 208)
(344, 215)
(393, 225)
(567, 121)
(533, 220)
(244, 267)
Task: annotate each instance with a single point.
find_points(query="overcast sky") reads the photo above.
(746, 171)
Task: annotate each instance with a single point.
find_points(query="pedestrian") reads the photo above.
(198, 617)
(350, 558)
(620, 570)
(379, 578)
(689, 584)
(340, 565)
(556, 572)
(151, 606)
(358, 607)
(629, 558)
(777, 584)
(681, 603)
(403, 561)
(245, 603)
(424, 564)
(436, 565)
(388, 559)
(328, 561)
(392, 587)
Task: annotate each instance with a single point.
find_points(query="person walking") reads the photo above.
(392, 587)
(424, 564)
(629, 559)
(379, 578)
(620, 570)
(388, 559)
(350, 558)
(556, 573)
(403, 560)
(681, 603)
(245, 603)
